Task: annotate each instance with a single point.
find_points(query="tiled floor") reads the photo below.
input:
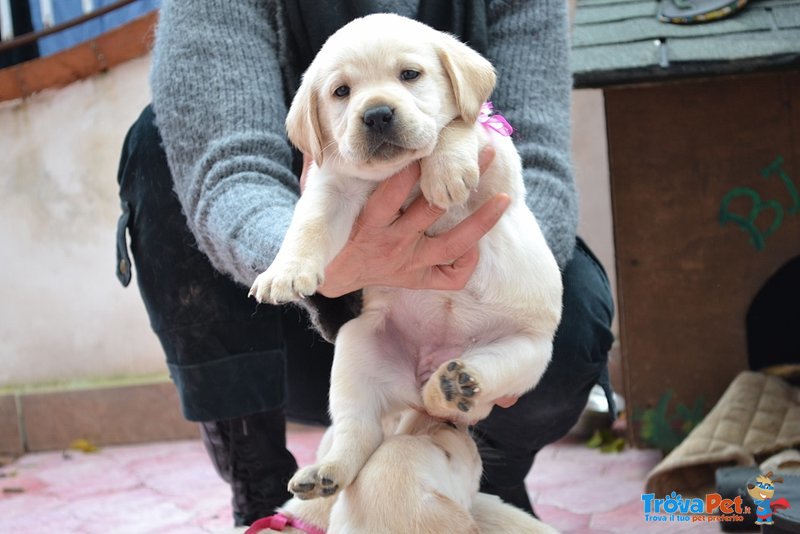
(171, 488)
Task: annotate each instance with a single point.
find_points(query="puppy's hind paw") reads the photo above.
(452, 392)
(315, 481)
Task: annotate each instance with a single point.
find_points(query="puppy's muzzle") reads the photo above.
(379, 120)
(384, 136)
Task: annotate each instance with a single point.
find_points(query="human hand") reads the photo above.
(507, 401)
(388, 246)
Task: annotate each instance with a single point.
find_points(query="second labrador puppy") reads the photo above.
(385, 91)
(423, 479)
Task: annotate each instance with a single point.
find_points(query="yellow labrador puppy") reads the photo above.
(383, 92)
(422, 480)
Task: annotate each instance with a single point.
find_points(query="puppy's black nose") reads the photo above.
(379, 118)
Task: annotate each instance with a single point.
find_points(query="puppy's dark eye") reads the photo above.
(342, 91)
(409, 75)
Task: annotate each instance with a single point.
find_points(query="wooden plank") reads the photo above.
(616, 43)
(684, 279)
(787, 16)
(119, 45)
(642, 29)
(589, 14)
(621, 56)
(611, 4)
(736, 47)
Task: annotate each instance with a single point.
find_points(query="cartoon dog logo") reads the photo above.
(762, 492)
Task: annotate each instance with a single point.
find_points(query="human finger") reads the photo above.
(420, 215)
(455, 275)
(383, 205)
(452, 244)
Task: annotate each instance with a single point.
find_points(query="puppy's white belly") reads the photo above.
(502, 299)
(433, 327)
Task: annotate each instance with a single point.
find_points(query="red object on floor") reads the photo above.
(279, 522)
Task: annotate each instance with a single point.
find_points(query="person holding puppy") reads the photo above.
(208, 182)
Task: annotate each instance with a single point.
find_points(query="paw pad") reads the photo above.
(458, 385)
(308, 483)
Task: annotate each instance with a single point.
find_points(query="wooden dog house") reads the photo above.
(703, 127)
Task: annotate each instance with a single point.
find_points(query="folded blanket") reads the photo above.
(758, 415)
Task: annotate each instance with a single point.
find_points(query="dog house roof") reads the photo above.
(622, 41)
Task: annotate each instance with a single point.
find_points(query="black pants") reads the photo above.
(229, 357)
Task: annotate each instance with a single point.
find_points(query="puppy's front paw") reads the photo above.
(314, 481)
(448, 183)
(453, 393)
(287, 281)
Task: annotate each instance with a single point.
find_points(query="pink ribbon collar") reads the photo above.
(279, 522)
(494, 121)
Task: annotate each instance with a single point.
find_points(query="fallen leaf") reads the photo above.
(618, 445)
(596, 440)
(83, 445)
(606, 441)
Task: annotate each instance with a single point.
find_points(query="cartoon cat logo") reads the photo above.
(762, 492)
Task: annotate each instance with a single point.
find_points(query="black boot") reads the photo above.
(503, 475)
(250, 454)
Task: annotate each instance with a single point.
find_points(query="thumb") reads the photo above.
(455, 275)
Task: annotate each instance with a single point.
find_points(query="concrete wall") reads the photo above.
(591, 173)
(64, 316)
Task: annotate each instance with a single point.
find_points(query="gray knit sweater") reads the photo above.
(218, 84)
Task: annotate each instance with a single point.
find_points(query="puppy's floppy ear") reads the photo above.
(302, 121)
(471, 76)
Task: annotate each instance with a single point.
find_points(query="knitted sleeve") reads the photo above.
(528, 45)
(219, 102)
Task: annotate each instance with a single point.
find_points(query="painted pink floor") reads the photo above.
(171, 488)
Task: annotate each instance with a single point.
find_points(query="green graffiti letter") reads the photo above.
(776, 168)
(757, 237)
